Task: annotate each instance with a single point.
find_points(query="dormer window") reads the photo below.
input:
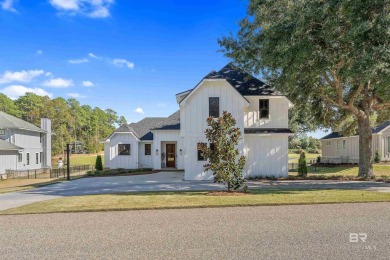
(2, 131)
(263, 108)
(214, 107)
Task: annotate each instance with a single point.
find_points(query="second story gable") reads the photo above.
(253, 104)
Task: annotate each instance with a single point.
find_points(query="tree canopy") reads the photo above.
(331, 57)
(71, 121)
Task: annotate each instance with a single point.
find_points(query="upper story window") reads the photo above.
(123, 149)
(40, 137)
(338, 144)
(328, 143)
(344, 144)
(263, 108)
(148, 149)
(214, 107)
(20, 157)
(201, 147)
(2, 131)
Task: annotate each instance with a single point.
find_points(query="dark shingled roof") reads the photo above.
(143, 128)
(268, 131)
(375, 130)
(243, 82)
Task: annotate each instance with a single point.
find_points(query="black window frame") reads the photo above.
(36, 158)
(263, 108)
(125, 151)
(214, 107)
(148, 151)
(200, 154)
(27, 158)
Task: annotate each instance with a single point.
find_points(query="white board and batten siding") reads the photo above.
(145, 161)
(8, 160)
(385, 145)
(266, 155)
(160, 139)
(278, 112)
(123, 161)
(194, 111)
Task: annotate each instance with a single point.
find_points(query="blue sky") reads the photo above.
(131, 56)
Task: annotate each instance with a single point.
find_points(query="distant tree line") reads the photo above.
(304, 142)
(70, 121)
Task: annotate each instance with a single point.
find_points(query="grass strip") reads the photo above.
(197, 199)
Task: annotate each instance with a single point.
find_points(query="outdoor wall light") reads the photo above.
(156, 151)
(181, 151)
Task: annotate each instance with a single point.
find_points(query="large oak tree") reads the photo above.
(329, 56)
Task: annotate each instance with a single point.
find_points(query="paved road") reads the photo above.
(162, 181)
(279, 232)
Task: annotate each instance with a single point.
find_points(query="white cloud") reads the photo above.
(75, 95)
(94, 56)
(20, 76)
(58, 83)
(15, 91)
(139, 110)
(88, 83)
(89, 8)
(39, 52)
(122, 63)
(8, 5)
(78, 61)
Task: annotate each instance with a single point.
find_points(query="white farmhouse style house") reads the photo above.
(24, 146)
(337, 148)
(174, 142)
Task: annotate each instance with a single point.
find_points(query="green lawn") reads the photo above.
(293, 157)
(79, 159)
(171, 200)
(379, 170)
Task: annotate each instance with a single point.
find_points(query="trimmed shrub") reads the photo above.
(99, 163)
(302, 166)
(377, 158)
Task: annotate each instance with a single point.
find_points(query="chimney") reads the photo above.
(46, 142)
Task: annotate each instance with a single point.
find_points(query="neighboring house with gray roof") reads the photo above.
(174, 141)
(337, 148)
(24, 146)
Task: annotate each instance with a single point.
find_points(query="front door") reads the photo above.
(171, 155)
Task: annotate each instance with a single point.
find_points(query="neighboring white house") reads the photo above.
(174, 142)
(345, 149)
(24, 146)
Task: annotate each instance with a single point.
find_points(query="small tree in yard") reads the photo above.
(302, 167)
(223, 157)
(99, 163)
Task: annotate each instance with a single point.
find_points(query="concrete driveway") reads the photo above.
(162, 181)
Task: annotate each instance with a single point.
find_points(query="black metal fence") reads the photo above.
(77, 170)
(293, 167)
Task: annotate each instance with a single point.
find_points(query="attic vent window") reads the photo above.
(214, 107)
(2, 131)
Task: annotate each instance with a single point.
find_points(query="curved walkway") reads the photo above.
(162, 181)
